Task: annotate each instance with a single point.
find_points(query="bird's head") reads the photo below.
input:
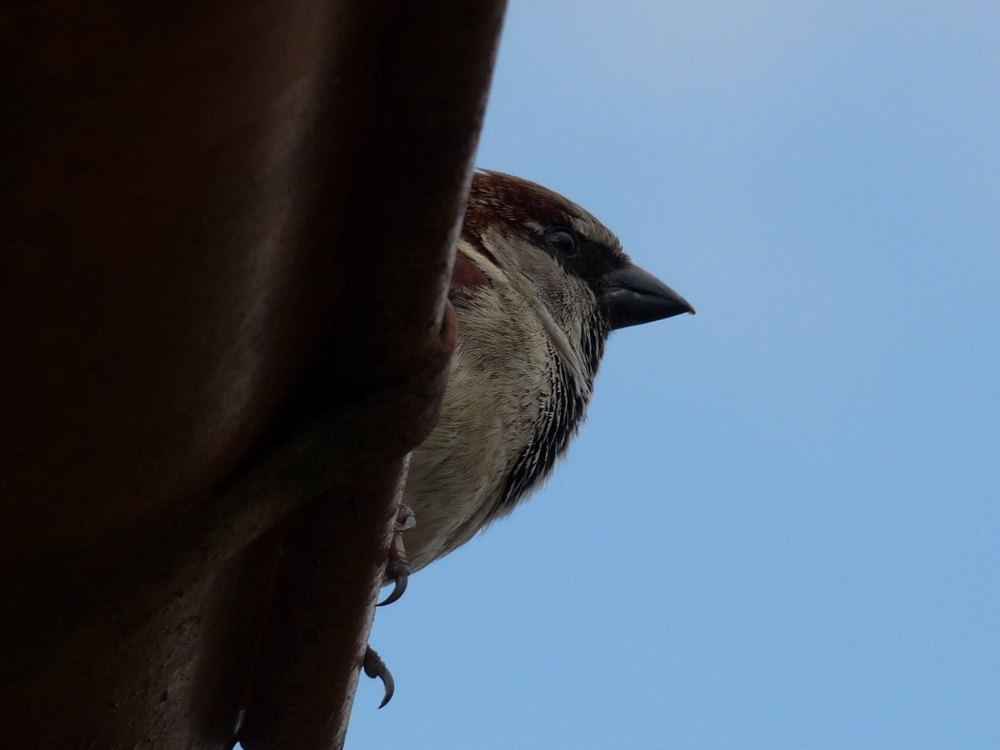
(569, 266)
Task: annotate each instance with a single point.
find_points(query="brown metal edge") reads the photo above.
(435, 65)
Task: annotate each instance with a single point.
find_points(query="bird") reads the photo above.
(537, 287)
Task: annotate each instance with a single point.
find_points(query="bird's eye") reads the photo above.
(563, 241)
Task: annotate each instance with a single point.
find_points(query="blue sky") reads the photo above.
(779, 527)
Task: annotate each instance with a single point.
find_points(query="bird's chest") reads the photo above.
(503, 394)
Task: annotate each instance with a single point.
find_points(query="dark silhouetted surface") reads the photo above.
(225, 249)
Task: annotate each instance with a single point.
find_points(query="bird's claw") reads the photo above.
(397, 569)
(375, 667)
(400, 577)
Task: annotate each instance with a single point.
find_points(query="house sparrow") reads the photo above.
(538, 285)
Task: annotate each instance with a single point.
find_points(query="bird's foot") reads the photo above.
(397, 569)
(375, 667)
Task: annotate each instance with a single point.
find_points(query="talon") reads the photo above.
(375, 667)
(397, 569)
(399, 579)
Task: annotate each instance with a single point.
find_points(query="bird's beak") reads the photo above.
(633, 296)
